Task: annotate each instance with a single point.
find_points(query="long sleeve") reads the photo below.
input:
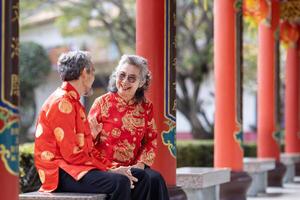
(62, 116)
(94, 119)
(63, 139)
(149, 142)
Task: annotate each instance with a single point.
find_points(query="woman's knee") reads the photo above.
(122, 181)
(156, 177)
(141, 175)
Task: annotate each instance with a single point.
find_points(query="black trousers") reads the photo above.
(117, 186)
(158, 189)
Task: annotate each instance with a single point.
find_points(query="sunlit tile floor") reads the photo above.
(290, 191)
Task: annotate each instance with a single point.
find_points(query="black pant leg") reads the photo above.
(158, 186)
(95, 181)
(141, 189)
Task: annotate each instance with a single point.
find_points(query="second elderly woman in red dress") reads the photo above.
(122, 122)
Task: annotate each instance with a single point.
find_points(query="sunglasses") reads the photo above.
(131, 78)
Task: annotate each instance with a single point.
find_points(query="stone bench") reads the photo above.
(60, 196)
(202, 183)
(258, 169)
(289, 160)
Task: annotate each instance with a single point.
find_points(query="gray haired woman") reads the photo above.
(122, 122)
(63, 141)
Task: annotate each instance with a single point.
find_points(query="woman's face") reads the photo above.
(128, 80)
(88, 80)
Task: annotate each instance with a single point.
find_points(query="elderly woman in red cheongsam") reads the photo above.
(122, 122)
(63, 141)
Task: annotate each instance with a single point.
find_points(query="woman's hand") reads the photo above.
(139, 165)
(95, 127)
(127, 172)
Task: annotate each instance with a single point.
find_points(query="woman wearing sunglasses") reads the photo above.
(122, 122)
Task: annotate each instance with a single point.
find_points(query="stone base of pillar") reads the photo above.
(297, 172)
(275, 176)
(176, 193)
(237, 188)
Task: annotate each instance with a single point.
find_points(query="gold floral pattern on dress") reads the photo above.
(138, 110)
(116, 132)
(123, 151)
(80, 139)
(120, 107)
(81, 174)
(137, 129)
(148, 157)
(59, 134)
(130, 123)
(82, 115)
(47, 155)
(105, 109)
(39, 130)
(65, 106)
(42, 175)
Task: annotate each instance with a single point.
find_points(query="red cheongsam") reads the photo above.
(63, 139)
(127, 133)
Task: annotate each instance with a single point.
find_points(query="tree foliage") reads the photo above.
(194, 62)
(113, 21)
(34, 68)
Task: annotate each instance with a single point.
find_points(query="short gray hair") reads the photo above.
(71, 64)
(145, 75)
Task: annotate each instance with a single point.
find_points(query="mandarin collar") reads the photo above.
(122, 101)
(71, 91)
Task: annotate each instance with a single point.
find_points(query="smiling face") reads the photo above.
(127, 81)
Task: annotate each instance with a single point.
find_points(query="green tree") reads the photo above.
(34, 68)
(194, 62)
(113, 22)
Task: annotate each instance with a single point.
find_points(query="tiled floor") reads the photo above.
(290, 191)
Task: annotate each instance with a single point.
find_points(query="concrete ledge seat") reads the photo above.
(258, 170)
(60, 196)
(202, 183)
(289, 160)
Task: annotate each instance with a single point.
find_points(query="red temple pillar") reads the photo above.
(267, 142)
(9, 123)
(155, 40)
(293, 146)
(228, 150)
(292, 137)
(227, 141)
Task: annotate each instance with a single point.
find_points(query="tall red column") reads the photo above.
(9, 86)
(298, 89)
(227, 147)
(292, 137)
(268, 137)
(155, 40)
(267, 143)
